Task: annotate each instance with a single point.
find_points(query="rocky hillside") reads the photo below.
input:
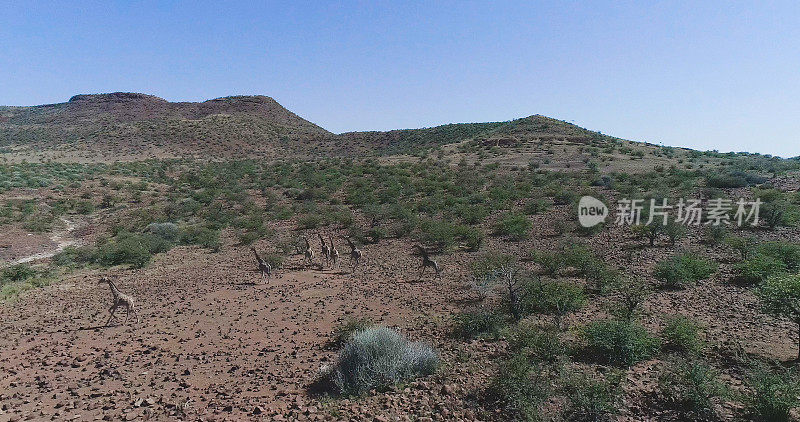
(126, 124)
(130, 126)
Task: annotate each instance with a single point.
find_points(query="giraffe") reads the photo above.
(325, 251)
(263, 266)
(334, 252)
(309, 253)
(119, 299)
(427, 262)
(355, 254)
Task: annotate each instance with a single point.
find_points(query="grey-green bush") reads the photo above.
(378, 357)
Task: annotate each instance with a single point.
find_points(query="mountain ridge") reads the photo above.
(135, 125)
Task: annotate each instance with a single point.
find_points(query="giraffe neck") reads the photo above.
(114, 289)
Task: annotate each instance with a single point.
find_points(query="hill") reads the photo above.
(130, 126)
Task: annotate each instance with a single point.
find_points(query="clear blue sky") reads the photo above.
(710, 75)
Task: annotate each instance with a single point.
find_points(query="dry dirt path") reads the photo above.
(59, 237)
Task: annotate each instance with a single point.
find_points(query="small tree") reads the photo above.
(502, 269)
(743, 244)
(674, 231)
(630, 297)
(780, 296)
(649, 231)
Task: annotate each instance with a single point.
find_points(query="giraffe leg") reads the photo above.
(127, 314)
(111, 311)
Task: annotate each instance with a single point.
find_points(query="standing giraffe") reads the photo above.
(334, 252)
(355, 254)
(427, 262)
(309, 253)
(325, 251)
(119, 299)
(263, 266)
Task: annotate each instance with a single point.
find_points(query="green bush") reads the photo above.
(515, 226)
(536, 206)
(774, 394)
(691, 386)
(758, 268)
(556, 298)
(72, 256)
(714, 235)
(132, 249)
(674, 232)
(167, 231)
(684, 269)
(206, 237)
(471, 236)
(521, 386)
(630, 295)
(744, 245)
(619, 342)
(551, 262)
(592, 400)
(379, 357)
(651, 232)
(780, 296)
(537, 343)
(681, 334)
(789, 253)
(16, 273)
(478, 324)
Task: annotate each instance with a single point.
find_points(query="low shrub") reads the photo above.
(744, 244)
(470, 325)
(780, 297)
(471, 236)
(536, 206)
(592, 399)
(684, 269)
(73, 256)
(619, 342)
(681, 334)
(204, 236)
(551, 262)
(537, 343)
(167, 231)
(379, 357)
(674, 232)
(714, 235)
(521, 386)
(630, 295)
(789, 253)
(691, 386)
(131, 249)
(775, 392)
(515, 226)
(555, 298)
(16, 273)
(758, 268)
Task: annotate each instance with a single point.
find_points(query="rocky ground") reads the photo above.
(214, 343)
